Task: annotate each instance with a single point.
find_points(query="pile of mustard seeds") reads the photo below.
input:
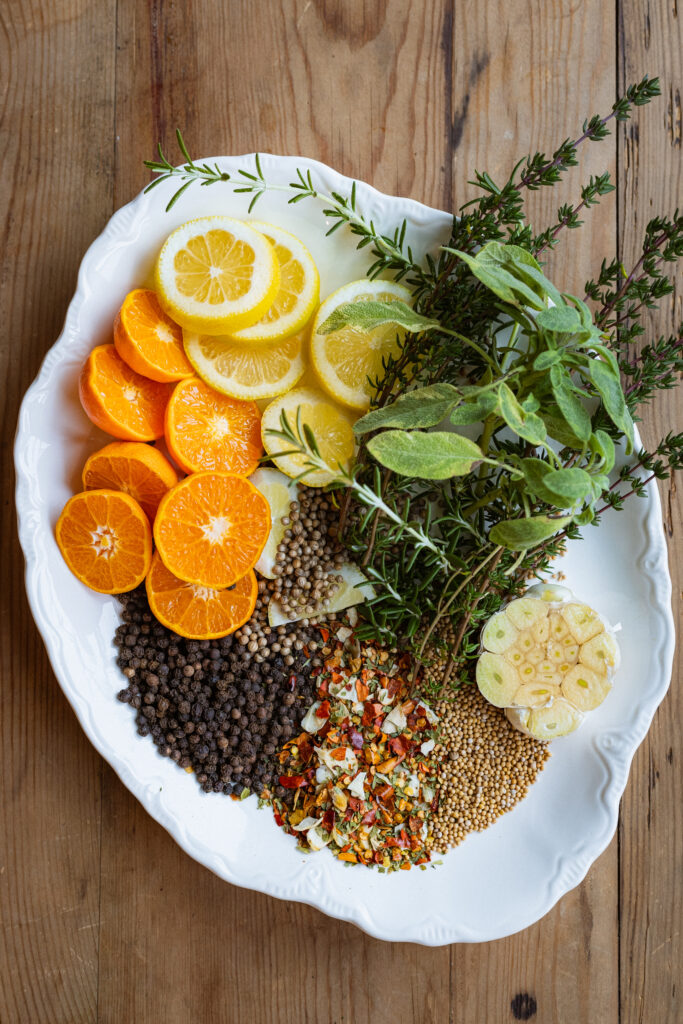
(485, 767)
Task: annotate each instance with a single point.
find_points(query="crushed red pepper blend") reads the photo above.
(362, 772)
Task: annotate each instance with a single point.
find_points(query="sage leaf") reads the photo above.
(423, 407)
(559, 320)
(559, 430)
(475, 411)
(569, 404)
(608, 385)
(569, 486)
(547, 359)
(366, 316)
(602, 445)
(526, 425)
(498, 279)
(437, 455)
(520, 534)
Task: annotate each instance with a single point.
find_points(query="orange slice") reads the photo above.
(148, 340)
(132, 467)
(207, 430)
(106, 540)
(195, 612)
(120, 401)
(211, 528)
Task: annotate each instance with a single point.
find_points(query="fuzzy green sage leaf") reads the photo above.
(429, 456)
(520, 534)
(366, 316)
(423, 407)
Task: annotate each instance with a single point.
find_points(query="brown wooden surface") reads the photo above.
(102, 917)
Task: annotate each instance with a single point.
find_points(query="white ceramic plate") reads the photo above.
(497, 882)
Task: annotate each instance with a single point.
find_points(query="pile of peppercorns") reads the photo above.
(217, 707)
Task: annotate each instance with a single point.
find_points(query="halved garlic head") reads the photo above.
(547, 659)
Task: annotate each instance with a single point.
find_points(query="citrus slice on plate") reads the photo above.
(211, 528)
(135, 468)
(207, 430)
(216, 275)
(120, 401)
(297, 295)
(279, 491)
(196, 612)
(148, 340)
(106, 540)
(332, 428)
(243, 370)
(348, 360)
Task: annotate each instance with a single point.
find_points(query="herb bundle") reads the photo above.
(494, 435)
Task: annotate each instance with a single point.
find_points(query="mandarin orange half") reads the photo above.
(133, 467)
(106, 540)
(120, 401)
(148, 340)
(211, 528)
(207, 430)
(196, 612)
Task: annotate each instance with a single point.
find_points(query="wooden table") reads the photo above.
(103, 918)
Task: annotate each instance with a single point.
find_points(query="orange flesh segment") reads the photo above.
(211, 528)
(196, 612)
(120, 401)
(209, 431)
(106, 540)
(148, 340)
(132, 467)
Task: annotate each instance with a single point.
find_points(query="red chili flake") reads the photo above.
(383, 793)
(355, 804)
(325, 634)
(368, 715)
(415, 824)
(305, 748)
(324, 710)
(356, 739)
(278, 819)
(338, 754)
(369, 818)
(291, 781)
(322, 689)
(362, 690)
(392, 686)
(400, 745)
(408, 706)
(328, 819)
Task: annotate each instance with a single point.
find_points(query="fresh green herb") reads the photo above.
(530, 391)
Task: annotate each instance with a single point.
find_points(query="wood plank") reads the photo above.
(281, 77)
(525, 77)
(56, 193)
(651, 847)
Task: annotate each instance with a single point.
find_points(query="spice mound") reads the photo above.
(485, 767)
(361, 775)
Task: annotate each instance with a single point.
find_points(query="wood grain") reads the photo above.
(57, 67)
(102, 917)
(651, 828)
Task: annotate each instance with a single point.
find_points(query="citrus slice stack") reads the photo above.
(297, 295)
(348, 360)
(207, 430)
(332, 428)
(216, 275)
(197, 612)
(243, 370)
(211, 528)
(120, 401)
(134, 468)
(106, 540)
(148, 340)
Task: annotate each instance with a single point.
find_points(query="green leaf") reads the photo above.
(569, 404)
(423, 407)
(526, 425)
(366, 316)
(559, 320)
(569, 486)
(433, 456)
(535, 472)
(475, 411)
(609, 387)
(520, 534)
(586, 517)
(559, 430)
(547, 359)
(602, 444)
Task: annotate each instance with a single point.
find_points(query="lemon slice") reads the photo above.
(345, 359)
(297, 295)
(332, 428)
(243, 370)
(216, 275)
(279, 491)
